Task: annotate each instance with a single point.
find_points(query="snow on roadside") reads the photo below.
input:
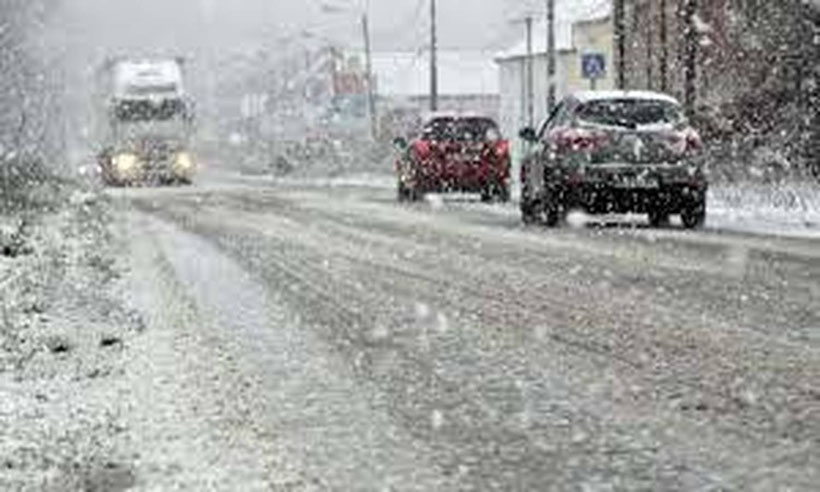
(784, 210)
(62, 337)
(791, 209)
(362, 180)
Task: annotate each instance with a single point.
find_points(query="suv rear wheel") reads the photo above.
(694, 215)
(529, 212)
(553, 215)
(658, 218)
(539, 212)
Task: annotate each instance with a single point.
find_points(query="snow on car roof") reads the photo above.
(146, 73)
(589, 96)
(455, 115)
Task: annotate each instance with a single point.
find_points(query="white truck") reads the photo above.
(147, 122)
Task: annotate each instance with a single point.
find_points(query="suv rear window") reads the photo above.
(461, 129)
(630, 113)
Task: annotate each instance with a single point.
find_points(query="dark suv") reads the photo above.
(614, 152)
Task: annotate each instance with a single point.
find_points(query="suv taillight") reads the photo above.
(502, 149)
(577, 140)
(685, 141)
(693, 140)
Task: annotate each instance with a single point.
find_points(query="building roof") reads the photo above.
(461, 73)
(579, 10)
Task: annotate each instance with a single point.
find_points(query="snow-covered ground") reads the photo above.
(788, 210)
(791, 209)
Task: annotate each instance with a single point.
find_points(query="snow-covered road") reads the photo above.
(364, 344)
(786, 210)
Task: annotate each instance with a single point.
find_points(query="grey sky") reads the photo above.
(226, 24)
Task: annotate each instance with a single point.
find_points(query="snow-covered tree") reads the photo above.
(29, 100)
(755, 68)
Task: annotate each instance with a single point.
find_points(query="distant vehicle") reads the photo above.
(146, 123)
(614, 152)
(454, 154)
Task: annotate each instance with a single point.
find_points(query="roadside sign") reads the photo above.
(593, 65)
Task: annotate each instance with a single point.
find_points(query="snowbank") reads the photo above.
(62, 335)
(782, 209)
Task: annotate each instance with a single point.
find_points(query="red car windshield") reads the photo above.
(461, 129)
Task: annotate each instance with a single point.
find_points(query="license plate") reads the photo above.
(638, 182)
(465, 159)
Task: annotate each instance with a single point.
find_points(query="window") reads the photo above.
(630, 113)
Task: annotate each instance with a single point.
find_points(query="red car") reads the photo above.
(455, 154)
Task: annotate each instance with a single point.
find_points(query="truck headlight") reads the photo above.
(125, 162)
(184, 161)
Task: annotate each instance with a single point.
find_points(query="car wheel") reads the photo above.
(503, 193)
(553, 216)
(554, 208)
(495, 193)
(403, 192)
(540, 213)
(658, 218)
(529, 213)
(408, 193)
(694, 215)
(815, 170)
(113, 183)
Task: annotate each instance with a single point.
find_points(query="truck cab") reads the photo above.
(149, 125)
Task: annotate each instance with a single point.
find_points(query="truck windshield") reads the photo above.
(131, 110)
(154, 89)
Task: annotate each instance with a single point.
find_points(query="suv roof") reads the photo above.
(590, 96)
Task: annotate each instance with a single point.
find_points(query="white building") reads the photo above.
(589, 31)
(467, 80)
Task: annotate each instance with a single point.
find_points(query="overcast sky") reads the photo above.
(194, 25)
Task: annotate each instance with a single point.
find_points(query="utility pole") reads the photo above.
(664, 40)
(433, 58)
(650, 45)
(530, 81)
(371, 92)
(620, 42)
(550, 56)
(690, 42)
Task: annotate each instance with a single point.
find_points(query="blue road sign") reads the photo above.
(593, 66)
